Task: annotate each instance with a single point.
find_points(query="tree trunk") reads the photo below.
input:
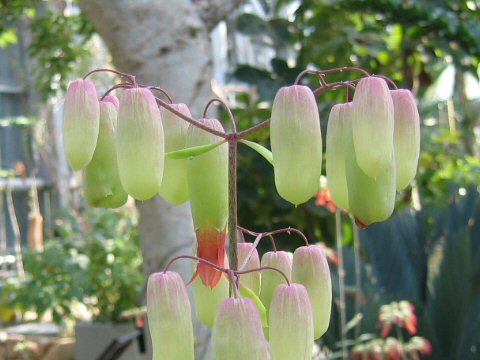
(164, 43)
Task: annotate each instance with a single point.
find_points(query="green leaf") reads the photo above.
(247, 292)
(267, 154)
(250, 24)
(8, 37)
(279, 30)
(193, 151)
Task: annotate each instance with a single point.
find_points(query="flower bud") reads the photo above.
(280, 260)
(80, 123)
(207, 299)
(370, 200)
(113, 100)
(207, 178)
(372, 125)
(102, 182)
(169, 317)
(310, 268)
(296, 143)
(140, 143)
(238, 333)
(291, 323)
(338, 134)
(406, 136)
(251, 280)
(174, 186)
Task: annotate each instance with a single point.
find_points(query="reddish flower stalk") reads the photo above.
(130, 78)
(230, 115)
(275, 232)
(329, 71)
(115, 87)
(223, 269)
(163, 91)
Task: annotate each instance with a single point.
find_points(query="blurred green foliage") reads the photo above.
(58, 39)
(94, 260)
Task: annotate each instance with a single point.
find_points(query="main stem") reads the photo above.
(232, 204)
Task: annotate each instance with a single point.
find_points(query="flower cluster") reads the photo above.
(372, 150)
(121, 144)
(289, 304)
(402, 315)
(373, 145)
(131, 146)
(392, 349)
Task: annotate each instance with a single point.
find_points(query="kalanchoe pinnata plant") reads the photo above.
(296, 143)
(174, 186)
(208, 299)
(238, 333)
(368, 158)
(140, 143)
(310, 268)
(208, 187)
(338, 136)
(281, 260)
(102, 182)
(398, 315)
(291, 323)
(370, 199)
(372, 126)
(80, 123)
(169, 317)
(407, 136)
(248, 255)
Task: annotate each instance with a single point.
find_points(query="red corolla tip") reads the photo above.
(211, 247)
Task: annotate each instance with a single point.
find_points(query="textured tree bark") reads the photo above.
(164, 43)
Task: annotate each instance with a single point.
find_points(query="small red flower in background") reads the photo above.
(411, 325)
(324, 198)
(401, 314)
(386, 328)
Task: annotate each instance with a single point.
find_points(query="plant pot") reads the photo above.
(93, 338)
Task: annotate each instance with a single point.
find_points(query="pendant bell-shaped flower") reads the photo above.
(280, 260)
(291, 323)
(310, 268)
(174, 186)
(238, 333)
(296, 142)
(169, 317)
(406, 136)
(207, 178)
(338, 134)
(251, 280)
(81, 122)
(140, 143)
(102, 181)
(373, 126)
